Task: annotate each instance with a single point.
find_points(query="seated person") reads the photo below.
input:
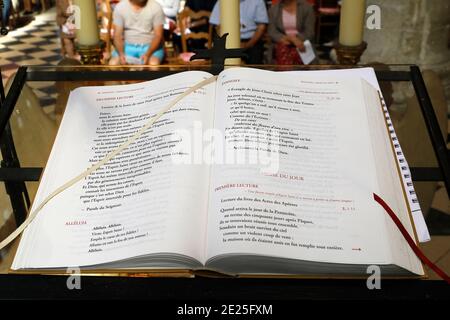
(170, 8)
(198, 5)
(254, 21)
(138, 32)
(65, 21)
(291, 23)
(6, 11)
(195, 25)
(202, 24)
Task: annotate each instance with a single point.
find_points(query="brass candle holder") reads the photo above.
(350, 55)
(92, 54)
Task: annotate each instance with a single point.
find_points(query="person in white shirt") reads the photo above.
(170, 8)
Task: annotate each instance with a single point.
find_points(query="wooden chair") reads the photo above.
(184, 18)
(327, 15)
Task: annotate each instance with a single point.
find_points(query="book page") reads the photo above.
(126, 208)
(369, 75)
(301, 186)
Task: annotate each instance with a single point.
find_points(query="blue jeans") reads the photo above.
(6, 12)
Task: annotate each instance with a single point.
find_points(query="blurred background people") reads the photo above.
(170, 8)
(138, 33)
(291, 23)
(254, 20)
(6, 12)
(195, 25)
(66, 28)
(198, 5)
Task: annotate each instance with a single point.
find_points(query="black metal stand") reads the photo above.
(14, 177)
(219, 53)
(15, 188)
(440, 149)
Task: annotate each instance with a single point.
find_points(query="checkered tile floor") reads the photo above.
(34, 44)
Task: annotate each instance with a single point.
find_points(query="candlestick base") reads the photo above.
(91, 55)
(350, 55)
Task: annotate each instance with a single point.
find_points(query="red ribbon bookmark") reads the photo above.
(410, 240)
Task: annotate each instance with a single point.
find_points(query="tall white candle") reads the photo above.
(351, 26)
(88, 33)
(230, 23)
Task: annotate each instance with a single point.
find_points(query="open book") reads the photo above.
(257, 173)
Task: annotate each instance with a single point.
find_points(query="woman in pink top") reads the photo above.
(291, 23)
